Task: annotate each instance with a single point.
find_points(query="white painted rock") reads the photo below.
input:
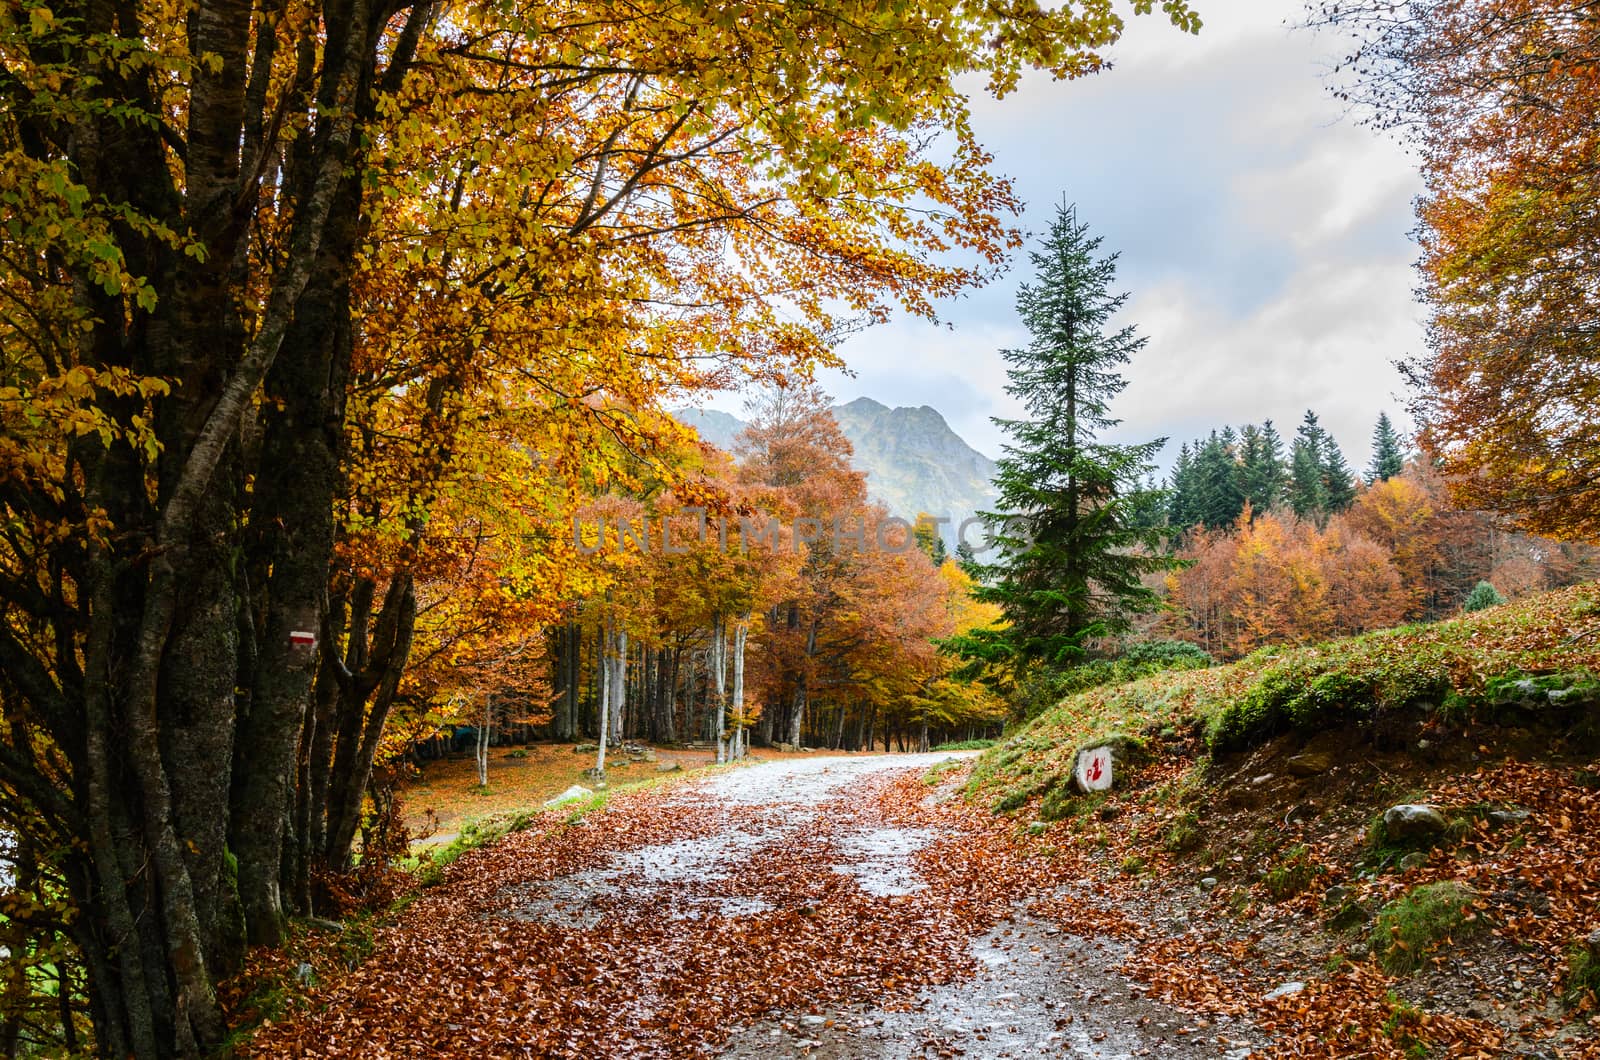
(1093, 769)
(1286, 990)
(577, 791)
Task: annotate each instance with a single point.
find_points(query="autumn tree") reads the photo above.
(1499, 98)
(240, 238)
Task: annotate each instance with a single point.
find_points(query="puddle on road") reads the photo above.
(668, 876)
(1038, 992)
(881, 859)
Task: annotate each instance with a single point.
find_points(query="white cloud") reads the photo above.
(1263, 235)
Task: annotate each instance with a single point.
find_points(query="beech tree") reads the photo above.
(1499, 98)
(236, 232)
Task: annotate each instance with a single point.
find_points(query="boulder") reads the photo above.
(577, 791)
(1094, 768)
(1414, 822)
(1308, 765)
(1508, 818)
(669, 767)
(586, 748)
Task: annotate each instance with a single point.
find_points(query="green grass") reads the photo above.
(1583, 976)
(1292, 875)
(936, 773)
(967, 745)
(1412, 927)
(1448, 673)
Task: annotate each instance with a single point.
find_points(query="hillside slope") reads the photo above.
(1400, 830)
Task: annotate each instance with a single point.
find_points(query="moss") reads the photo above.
(1410, 928)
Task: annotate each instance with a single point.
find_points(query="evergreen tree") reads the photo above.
(1263, 467)
(1388, 454)
(1338, 481)
(1071, 554)
(1308, 496)
(1148, 509)
(1183, 503)
(1221, 496)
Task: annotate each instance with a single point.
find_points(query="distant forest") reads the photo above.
(1286, 543)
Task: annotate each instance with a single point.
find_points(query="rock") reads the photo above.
(813, 1020)
(324, 924)
(1410, 821)
(1262, 779)
(1592, 944)
(1110, 813)
(577, 791)
(785, 748)
(1338, 894)
(306, 974)
(1093, 769)
(1349, 917)
(586, 748)
(1208, 883)
(1508, 818)
(1286, 990)
(594, 774)
(1038, 827)
(1414, 860)
(668, 767)
(1308, 765)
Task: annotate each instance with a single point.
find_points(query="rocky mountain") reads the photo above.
(912, 459)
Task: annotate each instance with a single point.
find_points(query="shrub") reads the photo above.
(1482, 597)
(1168, 654)
(1185, 835)
(1412, 926)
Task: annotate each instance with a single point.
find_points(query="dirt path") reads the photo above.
(828, 907)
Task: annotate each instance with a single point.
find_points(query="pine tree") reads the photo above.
(1388, 453)
(1071, 554)
(1308, 496)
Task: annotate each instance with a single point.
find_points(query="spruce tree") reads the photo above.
(1308, 496)
(1221, 497)
(1071, 552)
(1264, 470)
(1338, 481)
(1183, 505)
(1388, 454)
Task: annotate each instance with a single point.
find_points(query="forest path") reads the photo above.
(825, 906)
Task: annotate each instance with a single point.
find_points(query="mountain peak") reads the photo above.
(863, 404)
(913, 461)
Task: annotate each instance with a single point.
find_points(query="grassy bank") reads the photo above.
(1530, 663)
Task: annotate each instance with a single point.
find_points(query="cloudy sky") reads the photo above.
(1263, 237)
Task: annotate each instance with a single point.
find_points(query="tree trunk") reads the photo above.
(740, 630)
